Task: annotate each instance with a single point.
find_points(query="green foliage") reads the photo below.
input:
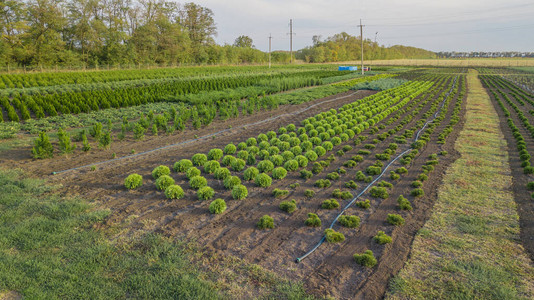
(385, 184)
(133, 181)
(278, 193)
(317, 168)
(323, 183)
(250, 173)
(139, 132)
(351, 185)
(192, 172)
(291, 165)
(337, 193)
(217, 206)
(349, 221)
(96, 130)
(42, 147)
(265, 222)
(404, 204)
(365, 204)
(333, 236)
(265, 166)
(333, 176)
(288, 206)
(279, 173)
(215, 154)
(309, 193)
(394, 176)
(174, 192)
(221, 173)
(65, 144)
(417, 192)
(163, 182)
(395, 219)
(85, 143)
(305, 174)
(238, 165)
(379, 192)
(366, 259)
(231, 181)
(211, 166)
(416, 184)
(330, 204)
(530, 186)
(313, 220)
(239, 192)
(199, 159)
(263, 180)
(182, 165)
(205, 193)
(401, 170)
(230, 149)
(198, 182)
(382, 238)
(372, 170)
(160, 171)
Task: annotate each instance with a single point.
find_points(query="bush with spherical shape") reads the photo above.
(217, 206)
(160, 171)
(239, 192)
(265, 166)
(211, 166)
(238, 165)
(205, 193)
(174, 192)
(231, 181)
(182, 165)
(250, 173)
(311, 155)
(279, 173)
(228, 160)
(291, 165)
(133, 181)
(163, 182)
(192, 172)
(302, 161)
(198, 182)
(320, 151)
(263, 180)
(215, 154)
(230, 149)
(221, 173)
(199, 159)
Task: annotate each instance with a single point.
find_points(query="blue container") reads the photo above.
(347, 68)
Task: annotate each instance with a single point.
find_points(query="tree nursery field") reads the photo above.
(291, 182)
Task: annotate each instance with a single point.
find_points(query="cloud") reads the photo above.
(491, 25)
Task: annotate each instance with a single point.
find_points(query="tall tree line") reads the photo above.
(345, 47)
(96, 33)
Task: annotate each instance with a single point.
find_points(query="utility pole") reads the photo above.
(291, 40)
(361, 37)
(376, 34)
(270, 37)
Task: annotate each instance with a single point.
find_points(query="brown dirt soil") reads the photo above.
(330, 271)
(521, 195)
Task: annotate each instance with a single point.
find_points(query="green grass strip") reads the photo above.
(470, 247)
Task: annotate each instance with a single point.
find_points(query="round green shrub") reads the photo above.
(265, 166)
(313, 220)
(395, 219)
(231, 181)
(174, 192)
(215, 154)
(320, 151)
(404, 204)
(163, 182)
(273, 150)
(530, 186)
(238, 165)
(417, 192)
(302, 161)
(297, 150)
(287, 155)
(230, 149)
(277, 160)
(192, 172)
(263, 180)
(160, 171)
(211, 166)
(221, 173)
(349, 221)
(241, 146)
(199, 159)
(243, 154)
(205, 193)
(217, 206)
(239, 192)
(330, 204)
(182, 165)
(198, 182)
(288, 206)
(382, 238)
(265, 222)
(252, 142)
(328, 146)
(291, 165)
(417, 184)
(250, 173)
(366, 259)
(228, 160)
(311, 155)
(279, 173)
(133, 181)
(333, 236)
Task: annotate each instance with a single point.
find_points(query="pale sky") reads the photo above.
(445, 25)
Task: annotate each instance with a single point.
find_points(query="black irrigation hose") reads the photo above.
(203, 137)
(299, 259)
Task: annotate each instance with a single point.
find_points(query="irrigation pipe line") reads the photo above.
(205, 136)
(299, 259)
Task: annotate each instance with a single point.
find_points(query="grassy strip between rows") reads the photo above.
(470, 248)
(55, 248)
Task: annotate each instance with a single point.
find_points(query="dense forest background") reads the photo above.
(100, 33)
